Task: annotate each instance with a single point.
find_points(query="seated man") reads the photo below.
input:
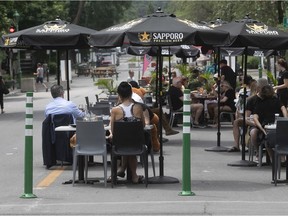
(59, 105)
(176, 96)
(227, 103)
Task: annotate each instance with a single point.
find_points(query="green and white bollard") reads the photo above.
(186, 170)
(28, 157)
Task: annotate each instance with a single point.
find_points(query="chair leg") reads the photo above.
(260, 150)
(105, 169)
(75, 157)
(113, 170)
(86, 168)
(275, 168)
(171, 119)
(152, 161)
(146, 169)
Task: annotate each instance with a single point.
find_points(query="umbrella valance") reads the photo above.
(250, 51)
(153, 30)
(182, 51)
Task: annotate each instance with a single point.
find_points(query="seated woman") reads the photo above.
(265, 112)
(127, 110)
(227, 103)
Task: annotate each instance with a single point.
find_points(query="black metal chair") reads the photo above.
(128, 140)
(281, 147)
(172, 112)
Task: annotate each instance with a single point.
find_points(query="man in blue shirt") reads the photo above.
(59, 105)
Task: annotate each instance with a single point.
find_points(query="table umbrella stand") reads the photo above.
(218, 147)
(243, 162)
(161, 179)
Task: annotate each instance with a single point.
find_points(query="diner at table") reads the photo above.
(227, 103)
(176, 95)
(265, 112)
(127, 110)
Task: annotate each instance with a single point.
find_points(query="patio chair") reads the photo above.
(172, 112)
(128, 140)
(281, 147)
(90, 141)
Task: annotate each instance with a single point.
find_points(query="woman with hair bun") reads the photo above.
(282, 79)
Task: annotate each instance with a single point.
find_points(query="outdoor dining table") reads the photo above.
(202, 98)
(72, 128)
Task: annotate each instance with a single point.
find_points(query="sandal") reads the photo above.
(140, 180)
(233, 149)
(121, 174)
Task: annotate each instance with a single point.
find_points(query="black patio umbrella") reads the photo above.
(56, 34)
(158, 29)
(248, 32)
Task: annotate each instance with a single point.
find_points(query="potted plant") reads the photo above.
(106, 84)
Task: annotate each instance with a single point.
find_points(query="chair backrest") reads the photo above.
(87, 102)
(113, 99)
(90, 136)
(281, 133)
(128, 137)
(100, 109)
(169, 103)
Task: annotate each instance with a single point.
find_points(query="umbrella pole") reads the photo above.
(58, 67)
(169, 73)
(67, 75)
(243, 162)
(161, 179)
(218, 148)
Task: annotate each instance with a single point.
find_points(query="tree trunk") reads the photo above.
(79, 12)
(280, 12)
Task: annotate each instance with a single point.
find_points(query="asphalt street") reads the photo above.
(219, 189)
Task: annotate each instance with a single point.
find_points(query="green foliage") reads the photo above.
(252, 62)
(52, 68)
(184, 69)
(209, 81)
(106, 84)
(271, 77)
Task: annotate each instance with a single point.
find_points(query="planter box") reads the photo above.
(27, 84)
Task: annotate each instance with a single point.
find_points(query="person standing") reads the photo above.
(228, 74)
(281, 88)
(40, 75)
(2, 86)
(131, 76)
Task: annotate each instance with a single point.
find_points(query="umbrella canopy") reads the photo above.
(182, 51)
(249, 32)
(57, 34)
(158, 29)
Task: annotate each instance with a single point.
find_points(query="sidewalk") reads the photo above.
(219, 189)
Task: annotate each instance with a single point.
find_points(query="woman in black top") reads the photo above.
(282, 91)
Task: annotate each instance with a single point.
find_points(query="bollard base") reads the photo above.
(28, 196)
(187, 193)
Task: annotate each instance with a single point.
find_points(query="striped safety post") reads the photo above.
(186, 170)
(28, 157)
